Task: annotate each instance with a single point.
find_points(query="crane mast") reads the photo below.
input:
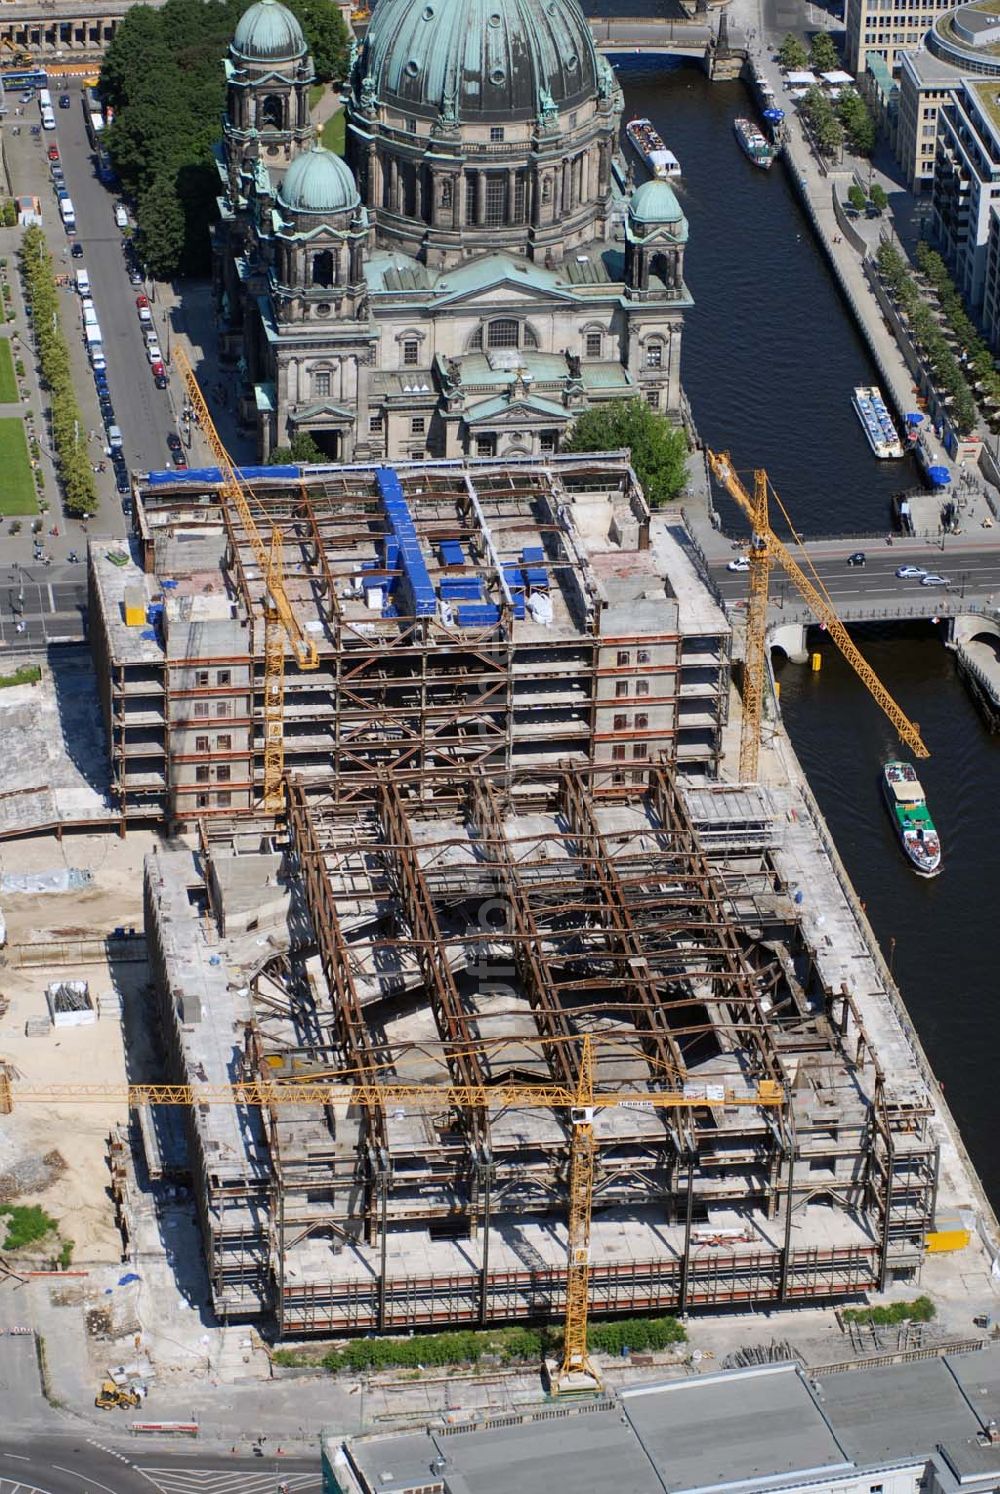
(280, 620)
(775, 550)
(346, 1089)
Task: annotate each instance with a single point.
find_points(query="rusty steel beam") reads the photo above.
(529, 953)
(403, 864)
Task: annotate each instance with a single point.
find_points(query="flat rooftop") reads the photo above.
(760, 1428)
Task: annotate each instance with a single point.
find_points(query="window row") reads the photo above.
(640, 750)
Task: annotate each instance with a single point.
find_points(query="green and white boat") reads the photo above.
(911, 817)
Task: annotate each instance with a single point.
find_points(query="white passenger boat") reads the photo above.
(648, 143)
(876, 422)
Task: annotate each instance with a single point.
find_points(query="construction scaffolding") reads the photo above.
(469, 931)
(475, 616)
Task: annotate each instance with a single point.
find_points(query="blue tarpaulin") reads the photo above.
(914, 418)
(939, 476)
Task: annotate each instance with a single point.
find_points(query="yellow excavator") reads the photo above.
(112, 1397)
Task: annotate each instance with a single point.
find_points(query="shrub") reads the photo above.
(920, 1310)
(26, 1223)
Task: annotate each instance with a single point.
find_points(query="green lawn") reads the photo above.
(17, 485)
(316, 92)
(334, 132)
(8, 383)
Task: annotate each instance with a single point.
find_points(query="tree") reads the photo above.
(161, 227)
(879, 200)
(301, 451)
(856, 197)
(792, 54)
(823, 56)
(830, 137)
(659, 448)
(327, 35)
(856, 118)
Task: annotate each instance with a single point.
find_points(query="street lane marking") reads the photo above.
(21, 1457)
(86, 1478)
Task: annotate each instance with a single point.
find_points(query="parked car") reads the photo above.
(141, 301)
(741, 563)
(134, 277)
(145, 316)
(910, 573)
(158, 370)
(64, 101)
(174, 441)
(858, 558)
(122, 484)
(53, 152)
(160, 380)
(77, 251)
(180, 460)
(934, 580)
(153, 353)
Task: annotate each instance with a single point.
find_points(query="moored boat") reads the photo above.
(876, 422)
(755, 145)
(911, 818)
(648, 143)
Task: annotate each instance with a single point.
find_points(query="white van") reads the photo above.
(83, 284)
(86, 305)
(44, 99)
(48, 120)
(121, 216)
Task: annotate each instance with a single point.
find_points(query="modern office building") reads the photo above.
(967, 184)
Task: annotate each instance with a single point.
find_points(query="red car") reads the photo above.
(158, 371)
(141, 301)
(53, 152)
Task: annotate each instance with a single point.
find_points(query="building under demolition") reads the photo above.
(484, 616)
(465, 929)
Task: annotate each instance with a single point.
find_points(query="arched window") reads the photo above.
(272, 112)
(503, 333)
(322, 268)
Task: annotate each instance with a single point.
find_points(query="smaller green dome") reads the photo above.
(268, 32)
(654, 202)
(317, 181)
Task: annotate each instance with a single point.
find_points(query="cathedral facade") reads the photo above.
(476, 271)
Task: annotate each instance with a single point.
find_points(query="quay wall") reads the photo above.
(987, 1225)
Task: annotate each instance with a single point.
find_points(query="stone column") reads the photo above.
(480, 198)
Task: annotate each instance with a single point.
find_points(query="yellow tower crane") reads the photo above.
(280, 621)
(344, 1090)
(765, 549)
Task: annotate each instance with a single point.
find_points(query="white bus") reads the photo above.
(44, 99)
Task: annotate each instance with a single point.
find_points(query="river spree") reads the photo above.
(770, 358)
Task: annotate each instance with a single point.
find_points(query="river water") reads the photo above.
(770, 357)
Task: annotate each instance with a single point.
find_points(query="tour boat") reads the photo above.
(911, 818)
(648, 143)
(876, 422)
(755, 145)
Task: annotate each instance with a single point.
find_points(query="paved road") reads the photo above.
(144, 412)
(50, 602)
(973, 574)
(67, 1464)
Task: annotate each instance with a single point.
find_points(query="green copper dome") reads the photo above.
(655, 202)
(468, 60)
(268, 32)
(318, 182)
